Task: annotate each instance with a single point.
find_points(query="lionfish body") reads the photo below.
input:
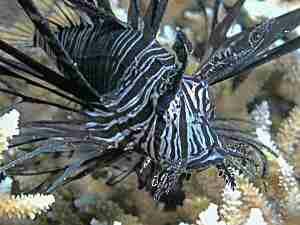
(142, 113)
(169, 127)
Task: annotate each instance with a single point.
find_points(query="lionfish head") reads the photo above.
(188, 142)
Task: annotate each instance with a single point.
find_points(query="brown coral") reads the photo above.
(289, 132)
(237, 204)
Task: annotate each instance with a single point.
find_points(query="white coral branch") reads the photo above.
(261, 114)
(24, 206)
(9, 123)
(9, 126)
(210, 216)
(256, 217)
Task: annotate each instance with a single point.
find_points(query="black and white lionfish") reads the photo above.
(137, 110)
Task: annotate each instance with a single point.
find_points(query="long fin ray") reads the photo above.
(42, 26)
(219, 30)
(247, 47)
(134, 14)
(153, 17)
(11, 72)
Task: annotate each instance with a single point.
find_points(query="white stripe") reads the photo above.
(127, 51)
(124, 38)
(116, 43)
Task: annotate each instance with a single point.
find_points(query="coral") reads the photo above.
(230, 209)
(23, 206)
(261, 115)
(289, 132)
(92, 202)
(62, 213)
(8, 128)
(20, 206)
(3, 143)
(287, 82)
(192, 206)
(237, 204)
(210, 216)
(288, 138)
(245, 205)
(252, 198)
(290, 187)
(255, 217)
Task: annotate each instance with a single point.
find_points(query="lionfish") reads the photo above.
(137, 111)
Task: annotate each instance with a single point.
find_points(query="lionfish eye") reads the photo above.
(256, 37)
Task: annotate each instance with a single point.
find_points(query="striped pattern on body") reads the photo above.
(138, 69)
(187, 134)
(136, 83)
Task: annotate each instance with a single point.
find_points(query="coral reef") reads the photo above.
(20, 206)
(268, 96)
(23, 206)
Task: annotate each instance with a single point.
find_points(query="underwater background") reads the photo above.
(269, 95)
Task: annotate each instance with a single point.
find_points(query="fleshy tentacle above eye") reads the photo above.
(171, 82)
(153, 17)
(219, 30)
(134, 14)
(216, 33)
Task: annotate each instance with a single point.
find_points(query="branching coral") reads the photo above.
(247, 205)
(243, 206)
(8, 128)
(255, 218)
(237, 205)
(290, 187)
(285, 147)
(210, 216)
(24, 206)
(261, 115)
(289, 132)
(230, 210)
(21, 206)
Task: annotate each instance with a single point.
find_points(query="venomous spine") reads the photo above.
(139, 111)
